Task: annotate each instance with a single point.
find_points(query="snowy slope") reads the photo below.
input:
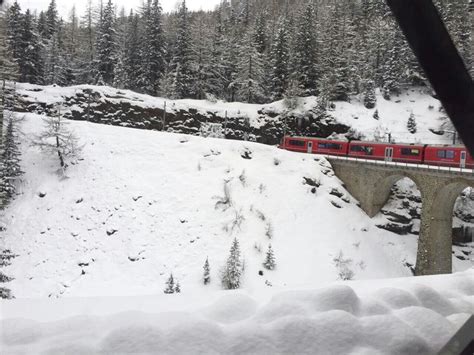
(142, 204)
(400, 316)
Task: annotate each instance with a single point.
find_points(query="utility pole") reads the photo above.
(164, 117)
(225, 125)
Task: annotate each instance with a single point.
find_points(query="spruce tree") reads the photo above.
(153, 57)
(411, 124)
(177, 288)
(106, 44)
(170, 286)
(207, 273)
(269, 263)
(233, 269)
(370, 100)
(181, 64)
(250, 75)
(30, 63)
(305, 52)
(14, 31)
(279, 61)
(52, 19)
(11, 169)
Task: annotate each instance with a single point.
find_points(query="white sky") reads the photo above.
(64, 6)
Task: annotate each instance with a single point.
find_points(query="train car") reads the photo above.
(315, 146)
(402, 153)
(449, 156)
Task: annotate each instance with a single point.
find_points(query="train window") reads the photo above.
(297, 143)
(410, 151)
(446, 154)
(364, 149)
(329, 146)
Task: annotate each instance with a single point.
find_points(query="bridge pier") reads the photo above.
(371, 183)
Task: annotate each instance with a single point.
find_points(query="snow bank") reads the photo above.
(400, 316)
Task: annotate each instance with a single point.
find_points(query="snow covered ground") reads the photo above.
(142, 205)
(399, 316)
(93, 252)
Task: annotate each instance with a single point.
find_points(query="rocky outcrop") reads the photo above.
(114, 107)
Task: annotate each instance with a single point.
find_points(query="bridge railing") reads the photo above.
(438, 168)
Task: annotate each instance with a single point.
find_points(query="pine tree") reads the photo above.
(153, 57)
(370, 100)
(279, 60)
(30, 63)
(177, 288)
(207, 273)
(305, 52)
(106, 44)
(170, 286)
(51, 19)
(250, 75)
(132, 61)
(269, 263)
(411, 124)
(260, 34)
(11, 169)
(181, 64)
(233, 269)
(14, 31)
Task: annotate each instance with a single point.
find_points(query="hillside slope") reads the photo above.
(143, 204)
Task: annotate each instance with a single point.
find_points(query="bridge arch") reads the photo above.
(441, 225)
(383, 188)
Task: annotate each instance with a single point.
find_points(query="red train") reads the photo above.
(439, 155)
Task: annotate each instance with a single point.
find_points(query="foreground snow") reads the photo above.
(401, 316)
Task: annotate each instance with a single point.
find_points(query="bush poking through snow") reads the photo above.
(58, 140)
(376, 115)
(177, 288)
(269, 263)
(343, 267)
(225, 202)
(233, 269)
(269, 230)
(207, 273)
(170, 286)
(243, 179)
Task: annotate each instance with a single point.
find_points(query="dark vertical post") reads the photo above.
(444, 67)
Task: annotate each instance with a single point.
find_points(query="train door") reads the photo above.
(310, 147)
(389, 154)
(463, 159)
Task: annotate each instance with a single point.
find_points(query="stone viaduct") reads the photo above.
(370, 182)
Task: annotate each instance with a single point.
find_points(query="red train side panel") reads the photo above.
(315, 146)
(405, 153)
(450, 156)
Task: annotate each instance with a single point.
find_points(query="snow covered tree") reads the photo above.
(11, 169)
(343, 267)
(207, 273)
(305, 52)
(250, 75)
(106, 44)
(153, 56)
(51, 19)
(170, 285)
(14, 30)
(260, 34)
(58, 140)
(181, 64)
(370, 100)
(269, 263)
(411, 124)
(233, 269)
(279, 60)
(177, 288)
(30, 63)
